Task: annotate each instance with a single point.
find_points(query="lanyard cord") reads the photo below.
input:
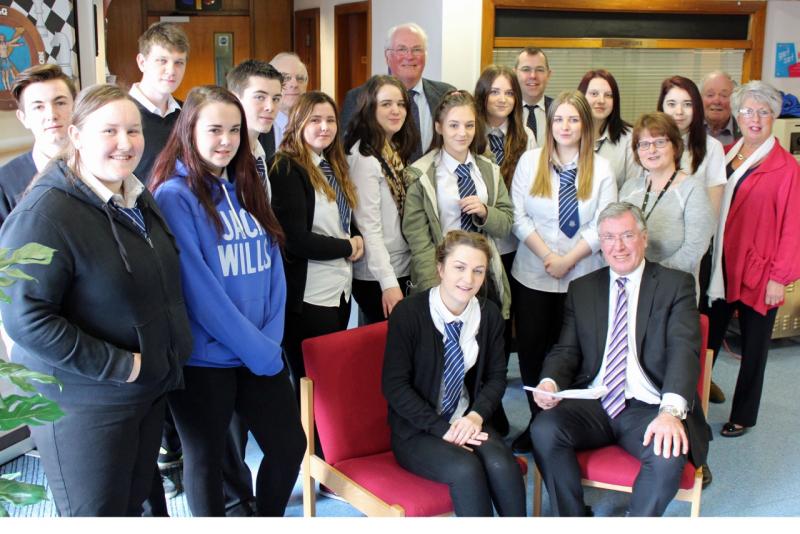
(661, 194)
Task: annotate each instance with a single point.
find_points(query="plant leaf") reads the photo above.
(35, 410)
(21, 376)
(10, 476)
(32, 253)
(17, 274)
(21, 493)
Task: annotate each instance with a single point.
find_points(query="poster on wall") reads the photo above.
(787, 64)
(34, 32)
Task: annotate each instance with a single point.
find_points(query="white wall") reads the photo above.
(461, 43)
(783, 26)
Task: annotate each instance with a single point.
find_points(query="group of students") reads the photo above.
(190, 290)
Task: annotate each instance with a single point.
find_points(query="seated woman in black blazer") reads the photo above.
(444, 374)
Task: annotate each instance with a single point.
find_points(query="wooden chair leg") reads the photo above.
(307, 419)
(537, 492)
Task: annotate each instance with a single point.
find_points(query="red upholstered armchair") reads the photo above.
(342, 392)
(612, 468)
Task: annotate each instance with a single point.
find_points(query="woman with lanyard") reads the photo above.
(444, 374)
(106, 317)
(379, 141)
(612, 134)
(558, 191)
(498, 98)
(675, 205)
(757, 245)
(453, 187)
(313, 198)
(205, 181)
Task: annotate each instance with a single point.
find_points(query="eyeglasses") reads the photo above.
(611, 239)
(404, 50)
(748, 113)
(643, 146)
(299, 78)
(528, 70)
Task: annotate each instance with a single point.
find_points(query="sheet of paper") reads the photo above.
(592, 393)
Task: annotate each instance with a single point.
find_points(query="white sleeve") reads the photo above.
(714, 164)
(523, 225)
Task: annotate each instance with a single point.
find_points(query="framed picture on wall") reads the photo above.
(198, 5)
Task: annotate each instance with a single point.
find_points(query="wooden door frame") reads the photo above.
(753, 46)
(347, 9)
(313, 13)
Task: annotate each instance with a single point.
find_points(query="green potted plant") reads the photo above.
(29, 407)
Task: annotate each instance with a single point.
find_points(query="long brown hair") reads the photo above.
(541, 182)
(294, 147)
(516, 140)
(454, 99)
(181, 146)
(614, 124)
(696, 144)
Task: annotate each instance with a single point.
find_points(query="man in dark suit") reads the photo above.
(649, 364)
(533, 73)
(406, 50)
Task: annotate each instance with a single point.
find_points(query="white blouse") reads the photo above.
(619, 156)
(712, 170)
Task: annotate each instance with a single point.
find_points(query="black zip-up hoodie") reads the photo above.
(108, 292)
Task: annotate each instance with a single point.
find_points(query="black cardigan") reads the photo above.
(413, 362)
(293, 203)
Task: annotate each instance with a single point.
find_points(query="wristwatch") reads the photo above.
(673, 411)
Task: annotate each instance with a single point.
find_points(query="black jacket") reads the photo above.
(293, 203)
(413, 365)
(107, 293)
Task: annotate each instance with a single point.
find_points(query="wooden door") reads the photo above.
(200, 69)
(352, 38)
(306, 43)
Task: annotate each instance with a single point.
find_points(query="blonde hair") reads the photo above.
(541, 186)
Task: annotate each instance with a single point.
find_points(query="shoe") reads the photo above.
(522, 444)
(707, 477)
(732, 430)
(167, 459)
(715, 394)
(325, 491)
(170, 489)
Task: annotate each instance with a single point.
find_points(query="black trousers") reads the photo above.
(237, 481)
(538, 316)
(583, 424)
(476, 479)
(756, 330)
(99, 459)
(368, 295)
(203, 412)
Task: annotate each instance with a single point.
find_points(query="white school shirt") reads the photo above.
(712, 171)
(425, 118)
(619, 156)
(637, 384)
(326, 280)
(471, 317)
(447, 189)
(279, 126)
(386, 253)
(138, 95)
(540, 215)
(540, 115)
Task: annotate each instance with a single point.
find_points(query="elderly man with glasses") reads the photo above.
(295, 83)
(406, 50)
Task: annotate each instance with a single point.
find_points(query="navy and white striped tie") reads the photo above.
(568, 217)
(453, 372)
(496, 144)
(466, 188)
(341, 200)
(616, 359)
(261, 168)
(134, 215)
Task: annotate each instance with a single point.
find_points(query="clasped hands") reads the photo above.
(466, 432)
(357, 243)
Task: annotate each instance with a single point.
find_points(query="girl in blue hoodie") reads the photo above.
(206, 183)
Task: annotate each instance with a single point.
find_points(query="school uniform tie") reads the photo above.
(496, 145)
(341, 200)
(568, 217)
(617, 357)
(531, 122)
(261, 168)
(453, 371)
(466, 188)
(417, 152)
(134, 215)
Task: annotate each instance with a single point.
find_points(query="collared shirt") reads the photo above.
(258, 152)
(126, 198)
(138, 95)
(541, 119)
(637, 385)
(502, 130)
(712, 170)
(725, 135)
(471, 317)
(619, 156)
(425, 119)
(540, 215)
(279, 126)
(326, 280)
(447, 189)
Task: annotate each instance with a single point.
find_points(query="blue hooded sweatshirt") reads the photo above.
(233, 283)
